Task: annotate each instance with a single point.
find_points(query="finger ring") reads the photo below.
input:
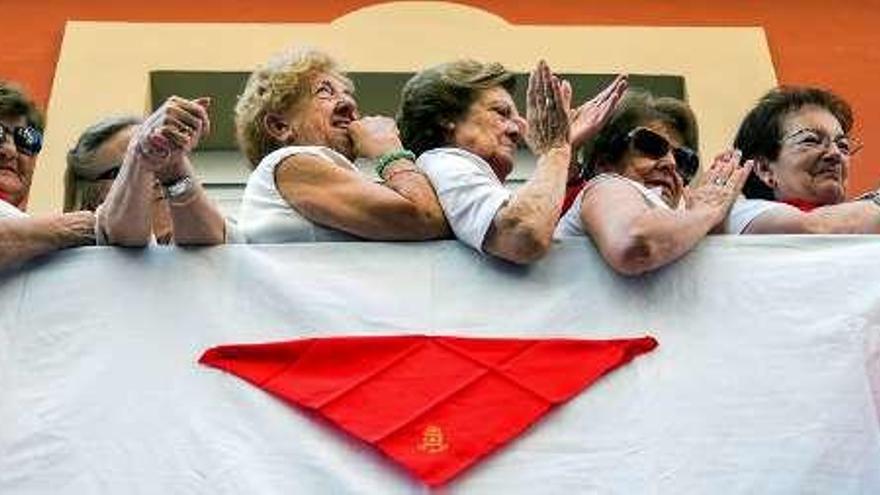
(548, 101)
(719, 181)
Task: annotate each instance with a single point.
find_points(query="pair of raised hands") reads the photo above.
(170, 133)
(551, 120)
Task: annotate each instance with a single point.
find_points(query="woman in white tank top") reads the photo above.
(636, 208)
(298, 124)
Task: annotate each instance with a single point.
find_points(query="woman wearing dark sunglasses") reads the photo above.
(636, 207)
(799, 138)
(23, 237)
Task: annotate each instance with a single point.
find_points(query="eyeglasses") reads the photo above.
(817, 140)
(28, 140)
(655, 146)
(326, 90)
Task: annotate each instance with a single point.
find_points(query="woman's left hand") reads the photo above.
(718, 187)
(548, 100)
(588, 119)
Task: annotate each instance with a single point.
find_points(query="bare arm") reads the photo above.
(125, 216)
(858, 217)
(406, 208)
(635, 238)
(24, 238)
(195, 220)
(522, 230)
(159, 152)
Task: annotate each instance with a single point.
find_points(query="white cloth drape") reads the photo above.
(767, 378)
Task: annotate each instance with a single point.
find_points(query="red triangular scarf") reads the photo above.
(800, 204)
(436, 405)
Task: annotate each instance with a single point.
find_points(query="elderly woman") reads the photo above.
(462, 121)
(94, 162)
(158, 153)
(23, 237)
(298, 124)
(799, 138)
(635, 208)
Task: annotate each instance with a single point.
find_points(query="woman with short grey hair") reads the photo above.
(461, 119)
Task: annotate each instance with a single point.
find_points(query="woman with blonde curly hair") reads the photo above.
(298, 124)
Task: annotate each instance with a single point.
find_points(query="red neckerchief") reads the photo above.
(801, 204)
(436, 405)
(572, 188)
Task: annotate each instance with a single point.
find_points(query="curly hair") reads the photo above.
(638, 108)
(15, 103)
(760, 133)
(276, 86)
(440, 95)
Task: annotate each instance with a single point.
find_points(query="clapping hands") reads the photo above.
(548, 100)
(171, 132)
(587, 119)
(720, 185)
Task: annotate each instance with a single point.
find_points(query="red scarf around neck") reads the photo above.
(801, 204)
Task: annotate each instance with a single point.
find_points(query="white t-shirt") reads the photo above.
(266, 217)
(469, 191)
(745, 210)
(570, 223)
(9, 211)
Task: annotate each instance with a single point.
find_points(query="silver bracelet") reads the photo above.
(873, 196)
(178, 188)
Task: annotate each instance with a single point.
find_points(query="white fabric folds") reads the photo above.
(767, 378)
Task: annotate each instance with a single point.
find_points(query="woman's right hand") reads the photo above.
(79, 228)
(548, 100)
(374, 135)
(719, 186)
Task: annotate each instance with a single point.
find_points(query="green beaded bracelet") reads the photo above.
(390, 157)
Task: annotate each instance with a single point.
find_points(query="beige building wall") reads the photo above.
(103, 68)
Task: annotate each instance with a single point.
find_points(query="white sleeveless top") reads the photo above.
(570, 223)
(266, 217)
(9, 211)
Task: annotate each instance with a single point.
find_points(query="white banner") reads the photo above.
(767, 378)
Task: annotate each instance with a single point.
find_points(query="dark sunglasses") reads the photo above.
(109, 174)
(655, 146)
(28, 140)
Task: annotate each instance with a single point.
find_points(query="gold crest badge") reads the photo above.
(433, 440)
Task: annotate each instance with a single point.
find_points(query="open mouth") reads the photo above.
(664, 184)
(829, 173)
(509, 145)
(341, 122)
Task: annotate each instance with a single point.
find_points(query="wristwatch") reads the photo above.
(178, 188)
(873, 196)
